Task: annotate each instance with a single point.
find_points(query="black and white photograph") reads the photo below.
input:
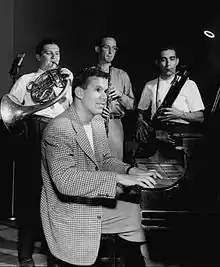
(110, 133)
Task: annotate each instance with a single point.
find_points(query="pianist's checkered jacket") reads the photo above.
(70, 168)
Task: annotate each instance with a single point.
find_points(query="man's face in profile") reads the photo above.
(94, 96)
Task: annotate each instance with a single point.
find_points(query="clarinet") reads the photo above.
(109, 99)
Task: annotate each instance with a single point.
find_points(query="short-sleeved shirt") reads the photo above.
(154, 92)
(20, 91)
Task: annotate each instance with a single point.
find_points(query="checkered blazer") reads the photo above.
(71, 168)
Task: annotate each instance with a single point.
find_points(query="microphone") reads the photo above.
(16, 65)
(21, 56)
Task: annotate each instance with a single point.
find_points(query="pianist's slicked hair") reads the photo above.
(81, 77)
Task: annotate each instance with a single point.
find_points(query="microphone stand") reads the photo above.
(13, 218)
(15, 73)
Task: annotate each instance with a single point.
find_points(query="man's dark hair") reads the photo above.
(43, 42)
(81, 77)
(166, 47)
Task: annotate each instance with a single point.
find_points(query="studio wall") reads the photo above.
(6, 43)
(138, 28)
(75, 25)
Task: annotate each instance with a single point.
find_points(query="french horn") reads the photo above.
(13, 113)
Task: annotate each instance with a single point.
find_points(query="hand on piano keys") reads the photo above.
(146, 178)
(160, 185)
(137, 176)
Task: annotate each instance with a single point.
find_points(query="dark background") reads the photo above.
(138, 26)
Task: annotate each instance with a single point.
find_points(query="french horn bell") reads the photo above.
(13, 113)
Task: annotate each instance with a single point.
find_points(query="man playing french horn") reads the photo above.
(35, 89)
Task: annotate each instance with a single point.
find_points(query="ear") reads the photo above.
(177, 61)
(97, 49)
(79, 92)
(157, 62)
(38, 57)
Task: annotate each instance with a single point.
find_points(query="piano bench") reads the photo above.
(108, 254)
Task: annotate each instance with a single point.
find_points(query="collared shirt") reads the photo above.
(154, 92)
(19, 90)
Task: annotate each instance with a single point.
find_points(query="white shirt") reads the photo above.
(154, 92)
(88, 130)
(19, 90)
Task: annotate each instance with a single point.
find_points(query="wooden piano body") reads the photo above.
(188, 187)
(181, 216)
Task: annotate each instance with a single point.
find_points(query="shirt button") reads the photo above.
(99, 217)
(96, 168)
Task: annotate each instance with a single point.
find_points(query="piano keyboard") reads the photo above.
(170, 169)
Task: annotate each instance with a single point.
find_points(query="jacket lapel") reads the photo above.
(81, 136)
(96, 141)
